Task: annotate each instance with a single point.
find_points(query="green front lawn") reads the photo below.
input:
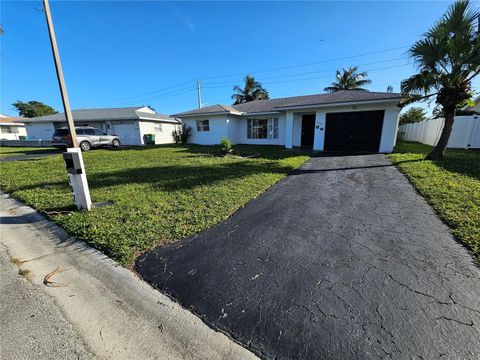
(16, 151)
(159, 194)
(451, 186)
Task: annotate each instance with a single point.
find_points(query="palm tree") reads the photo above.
(448, 58)
(349, 79)
(251, 91)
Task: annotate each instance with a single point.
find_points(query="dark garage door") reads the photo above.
(354, 131)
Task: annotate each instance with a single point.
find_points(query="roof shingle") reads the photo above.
(126, 113)
(344, 96)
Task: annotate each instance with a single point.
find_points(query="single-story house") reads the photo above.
(11, 128)
(349, 120)
(131, 124)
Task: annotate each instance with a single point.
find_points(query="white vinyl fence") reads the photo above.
(465, 133)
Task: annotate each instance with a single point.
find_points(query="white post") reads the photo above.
(289, 130)
(78, 182)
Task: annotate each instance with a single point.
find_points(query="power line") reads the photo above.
(151, 92)
(306, 64)
(307, 73)
(309, 78)
(141, 97)
(153, 97)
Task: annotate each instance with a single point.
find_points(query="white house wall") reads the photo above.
(297, 130)
(234, 129)
(40, 131)
(19, 131)
(163, 136)
(218, 129)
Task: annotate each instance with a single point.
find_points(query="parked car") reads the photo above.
(88, 137)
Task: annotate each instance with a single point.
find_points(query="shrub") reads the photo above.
(181, 136)
(226, 145)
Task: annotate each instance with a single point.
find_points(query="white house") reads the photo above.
(342, 121)
(11, 128)
(131, 124)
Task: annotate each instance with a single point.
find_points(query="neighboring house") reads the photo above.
(11, 128)
(465, 132)
(131, 124)
(349, 120)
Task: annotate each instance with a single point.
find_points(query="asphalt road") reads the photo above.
(31, 325)
(341, 260)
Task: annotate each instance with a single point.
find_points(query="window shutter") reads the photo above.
(249, 128)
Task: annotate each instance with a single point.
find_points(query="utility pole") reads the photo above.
(77, 176)
(61, 80)
(199, 95)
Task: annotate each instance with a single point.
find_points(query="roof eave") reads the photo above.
(173, 121)
(261, 113)
(208, 114)
(347, 103)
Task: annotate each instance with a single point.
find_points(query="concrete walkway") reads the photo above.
(341, 260)
(95, 308)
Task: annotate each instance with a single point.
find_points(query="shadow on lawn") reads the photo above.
(171, 178)
(175, 177)
(269, 152)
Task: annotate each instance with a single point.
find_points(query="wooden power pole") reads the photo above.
(61, 80)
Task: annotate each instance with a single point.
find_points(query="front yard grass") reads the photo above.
(159, 194)
(451, 186)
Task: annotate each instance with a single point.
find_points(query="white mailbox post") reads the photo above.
(77, 178)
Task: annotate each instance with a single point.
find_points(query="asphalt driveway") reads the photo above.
(340, 260)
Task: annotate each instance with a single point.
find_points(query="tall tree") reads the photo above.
(33, 109)
(412, 115)
(448, 58)
(349, 79)
(252, 90)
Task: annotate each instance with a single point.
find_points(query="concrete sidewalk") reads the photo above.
(98, 309)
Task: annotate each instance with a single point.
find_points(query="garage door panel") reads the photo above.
(354, 131)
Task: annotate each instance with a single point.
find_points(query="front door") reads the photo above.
(308, 129)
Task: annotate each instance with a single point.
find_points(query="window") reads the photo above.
(89, 131)
(99, 132)
(80, 131)
(203, 125)
(9, 129)
(158, 128)
(262, 128)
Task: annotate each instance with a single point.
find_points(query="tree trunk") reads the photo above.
(437, 152)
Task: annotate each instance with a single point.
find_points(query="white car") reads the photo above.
(88, 137)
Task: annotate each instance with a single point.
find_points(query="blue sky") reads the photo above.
(120, 53)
